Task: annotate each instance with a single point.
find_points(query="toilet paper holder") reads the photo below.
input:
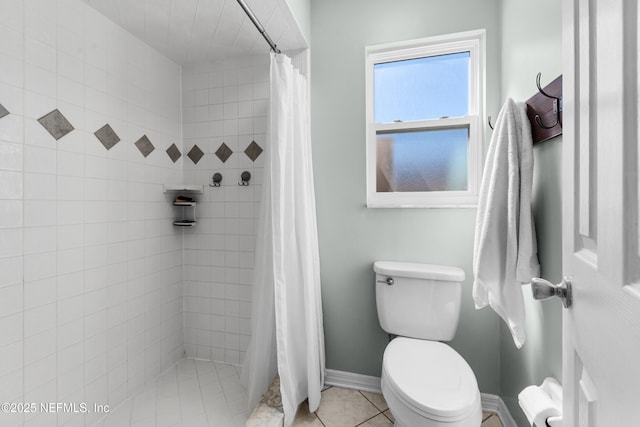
(542, 404)
(553, 422)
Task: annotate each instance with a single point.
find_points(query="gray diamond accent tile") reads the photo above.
(224, 152)
(3, 111)
(145, 146)
(107, 136)
(56, 124)
(174, 153)
(253, 151)
(195, 154)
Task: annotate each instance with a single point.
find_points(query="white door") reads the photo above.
(601, 237)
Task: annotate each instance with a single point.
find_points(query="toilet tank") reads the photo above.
(418, 300)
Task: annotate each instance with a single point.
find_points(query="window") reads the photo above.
(424, 101)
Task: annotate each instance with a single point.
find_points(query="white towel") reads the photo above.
(505, 249)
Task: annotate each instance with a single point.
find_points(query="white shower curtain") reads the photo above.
(287, 334)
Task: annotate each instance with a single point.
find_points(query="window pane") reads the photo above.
(432, 160)
(422, 88)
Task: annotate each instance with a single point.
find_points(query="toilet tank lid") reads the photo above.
(419, 271)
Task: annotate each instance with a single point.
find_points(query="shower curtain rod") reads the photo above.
(258, 25)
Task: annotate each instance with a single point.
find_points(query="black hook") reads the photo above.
(489, 122)
(216, 180)
(245, 177)
(557, 107)
(540, 88)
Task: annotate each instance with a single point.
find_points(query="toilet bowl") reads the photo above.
(425, 382)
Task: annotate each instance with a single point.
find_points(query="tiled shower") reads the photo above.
(225, 116)
(99, 292)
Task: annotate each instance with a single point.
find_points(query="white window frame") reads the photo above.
(470, 41)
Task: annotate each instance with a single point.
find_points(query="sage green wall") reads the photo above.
(532, 43)
(352, 237)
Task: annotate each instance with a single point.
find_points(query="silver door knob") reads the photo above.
(543, 289)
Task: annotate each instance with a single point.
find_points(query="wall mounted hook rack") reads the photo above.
(543, 108)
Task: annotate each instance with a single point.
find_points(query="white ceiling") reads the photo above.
(195, 31)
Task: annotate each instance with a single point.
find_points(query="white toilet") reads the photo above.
(425, 382)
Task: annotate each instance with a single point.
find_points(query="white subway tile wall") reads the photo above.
(223, 103)
(91, 302)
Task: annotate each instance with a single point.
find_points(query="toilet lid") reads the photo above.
(431, 377)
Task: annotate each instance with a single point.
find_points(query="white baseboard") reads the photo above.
(490, 402)
(493, 403)
(350, 380)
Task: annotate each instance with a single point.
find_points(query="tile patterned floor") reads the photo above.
(197, 393)
(191, 394)
(341, 407)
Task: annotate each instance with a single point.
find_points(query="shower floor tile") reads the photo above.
(192, 393)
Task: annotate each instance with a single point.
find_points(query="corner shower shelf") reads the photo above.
(185, 220)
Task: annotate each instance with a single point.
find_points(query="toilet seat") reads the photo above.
(431, 379)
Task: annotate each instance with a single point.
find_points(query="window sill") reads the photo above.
(472, 203)
(405, 206)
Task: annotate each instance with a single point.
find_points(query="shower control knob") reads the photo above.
(543, 289)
